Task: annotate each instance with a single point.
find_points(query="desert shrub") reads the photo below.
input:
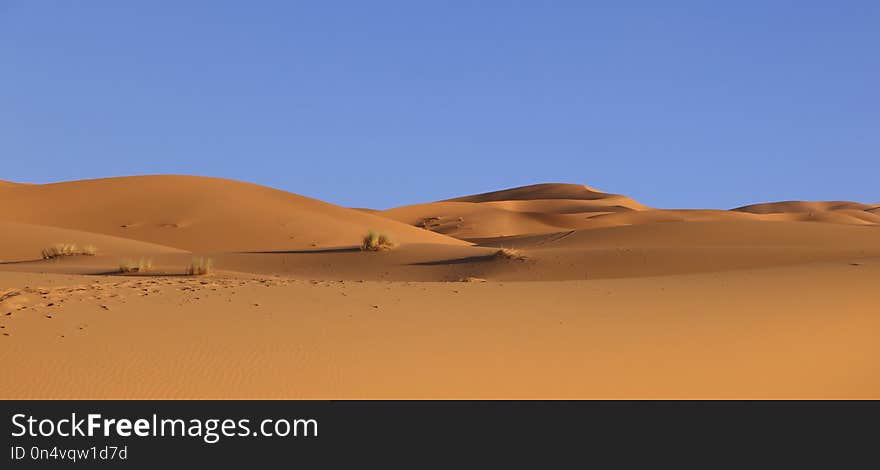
(200, 266)
(67, 249)
(374, 241)
(428, 223)
(511, 254)
(143, 265)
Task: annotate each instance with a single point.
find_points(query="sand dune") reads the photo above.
(620, 251)
(843, 216)
(838, 212)
(547, 191)
(469, 220)
(199, 214)
(747, 233)
(802, 206)
(549, 208)
(24, 242)
(569, 232)
(683, 247)
(594, 296)
(539, 208)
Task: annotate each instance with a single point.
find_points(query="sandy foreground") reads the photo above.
(606, 298)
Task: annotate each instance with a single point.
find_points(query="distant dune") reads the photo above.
(544, 291)
(546, 191)
(540, 208)
(788, 207)
(550, 208)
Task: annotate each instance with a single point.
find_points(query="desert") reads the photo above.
(181, 287)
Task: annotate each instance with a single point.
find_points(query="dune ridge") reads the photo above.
(199, 213)
(552, 207)
(787, 207)
(539, 208)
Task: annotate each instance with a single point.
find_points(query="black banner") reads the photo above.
(147, 434)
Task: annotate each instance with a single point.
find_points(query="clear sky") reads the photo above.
(377, 103)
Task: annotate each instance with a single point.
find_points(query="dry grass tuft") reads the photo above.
(68, 249)
(200, 266)
(428, 223)
(375, 241)
(141, 266)
(471, 279)
(511, 254)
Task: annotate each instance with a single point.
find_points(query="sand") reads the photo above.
(604, 298)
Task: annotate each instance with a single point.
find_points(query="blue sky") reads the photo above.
(377, 104)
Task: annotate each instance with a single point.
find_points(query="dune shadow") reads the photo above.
(465, 260)
(22, 261)
(148, 274)
(302, 252)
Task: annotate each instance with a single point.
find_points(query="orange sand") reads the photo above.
(613, 299)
